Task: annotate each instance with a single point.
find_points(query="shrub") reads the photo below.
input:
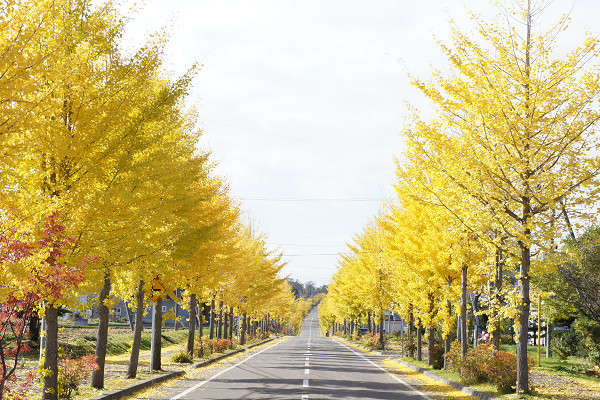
(565, 344)
(589, 331)
(221, 345)
(560, 348)
(201, 347)
(409, 346)
(473, 366)
(453, 357)
(502, 370)
(482, 364)
(208, 346)
(438, 356)
(71, 372)
(181, 357)
(371, 340)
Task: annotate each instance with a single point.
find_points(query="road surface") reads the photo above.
(307, 366)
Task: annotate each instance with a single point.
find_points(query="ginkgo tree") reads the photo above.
(109, 139)
(364, 285)
(515, 132)
(427, 236)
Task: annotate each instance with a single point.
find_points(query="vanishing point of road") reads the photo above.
(307, 366)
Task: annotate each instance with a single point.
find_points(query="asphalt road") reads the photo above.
(307, 366)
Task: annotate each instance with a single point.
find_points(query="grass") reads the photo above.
(572, 367)
(77, 343)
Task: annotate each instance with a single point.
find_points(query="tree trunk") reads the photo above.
(497, 300)
(522, 332)
(231, 323)
(369, 322)
(191, 325)
(243, 330)
(34, 327)
(176, 310)
(381, 333)
(525, 241)
(226, 323)
(448, 339)
(419, 341)
(430, 344)
(202, 309)
(220, 322)
(130, 317)
(50, 390)
(411, 329)
(155, 345)
(201, 312)
(211, 334)
(102, 341)
(137, 333)
(464, 336)
(548, 340)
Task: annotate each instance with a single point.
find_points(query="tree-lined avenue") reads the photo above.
(301, 367)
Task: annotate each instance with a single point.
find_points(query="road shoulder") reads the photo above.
(423, 380)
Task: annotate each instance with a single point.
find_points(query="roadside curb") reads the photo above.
(146, 383)
(215, 359)
(458, 386)
(135, 387)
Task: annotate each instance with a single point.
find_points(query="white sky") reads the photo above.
(304, 100)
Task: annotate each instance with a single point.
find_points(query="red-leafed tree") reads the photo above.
(34, 272)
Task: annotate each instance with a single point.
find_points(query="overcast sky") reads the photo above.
(301, 102)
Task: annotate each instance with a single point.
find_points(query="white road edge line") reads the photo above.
(188, 391)
(408, 385)
(305, 383)
(306, 371)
